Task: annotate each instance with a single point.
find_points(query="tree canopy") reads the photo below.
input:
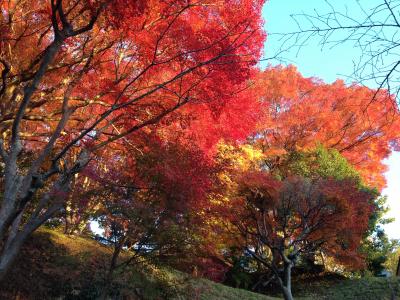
(153, 120)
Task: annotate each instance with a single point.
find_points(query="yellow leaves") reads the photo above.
(236, 160)
(252, 154)
(221, 200)
(226, 179)
(248, 158)
(242, 157)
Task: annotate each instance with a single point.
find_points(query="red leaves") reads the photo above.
(303, 215)
(259, 188)
(182, 175)
(150, 54)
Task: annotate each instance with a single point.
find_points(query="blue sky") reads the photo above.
(327, 64)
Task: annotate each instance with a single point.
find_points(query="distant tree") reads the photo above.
(392, 264)
(279, 221)
(376, 245)
(319, 130)
(298, 114)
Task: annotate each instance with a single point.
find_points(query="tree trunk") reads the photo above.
(286, 285)
(16, 237)
(287, 293)
(107, 285)
(111, 269)
(10, 253)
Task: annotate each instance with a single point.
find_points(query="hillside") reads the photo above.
(371, 288)
(54, 265)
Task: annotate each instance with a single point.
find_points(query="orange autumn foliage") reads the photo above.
(300, 113)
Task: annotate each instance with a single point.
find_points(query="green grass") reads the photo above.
(365, 289)
(369, 288)
(54, 265)
(211, 290)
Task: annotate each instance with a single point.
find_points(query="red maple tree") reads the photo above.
(79, 78)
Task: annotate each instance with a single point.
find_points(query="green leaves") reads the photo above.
(321, 163)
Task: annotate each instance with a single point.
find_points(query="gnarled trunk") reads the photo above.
(287, 293)
(10, 250)
(7, 258)
(286, 285)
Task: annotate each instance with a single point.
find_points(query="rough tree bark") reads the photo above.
(286, 284)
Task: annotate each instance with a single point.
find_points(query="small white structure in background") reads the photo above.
(385, 273)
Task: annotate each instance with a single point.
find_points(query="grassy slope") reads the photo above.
(54, 264)
(372, 288)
